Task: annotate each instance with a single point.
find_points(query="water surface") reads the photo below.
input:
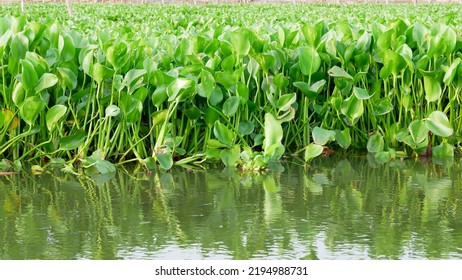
(350, 208)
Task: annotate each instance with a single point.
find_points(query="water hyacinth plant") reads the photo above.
(166, 85)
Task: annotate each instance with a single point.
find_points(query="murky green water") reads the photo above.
(334, 209)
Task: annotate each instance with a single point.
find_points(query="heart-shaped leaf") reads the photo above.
(223, 134)
(313, 150)
(73, 141)
(439, 124)
(54, 114)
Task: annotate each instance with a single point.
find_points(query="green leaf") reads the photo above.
(246, 127)
(338, 72)
(322, 136)
(117, 55)
(207, 85)
(240, 41)
(46, 81)
(443, 150)
(343, 138)
(439, 124)
(178, 86)
(54, 114)
(193, 113)
(165, 160)
(312, 151)
(30, 109)
(216, 97)
(243, 92)
(451, 72)
(375, 143)
(112, 110)
(159, 96)
(273, 133)
(353, 108)
(67, 77)
(66, 48)
(223, 134)
(231, 105)
(230, 157)
(97, 160)
(432, 89)
(418, 131)
(18, 94)
(19, 46)
(310, 91)
(133, 76)
(211, 116)
(159, 117)
(382, 107)
(361, 93)
(285, 101)
(226, 79)
(309, 60)
(72, 142)
(101, 72)
(29, 75)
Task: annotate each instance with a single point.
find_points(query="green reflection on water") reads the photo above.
(333, 209)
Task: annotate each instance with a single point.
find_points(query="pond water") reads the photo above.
(351, 208)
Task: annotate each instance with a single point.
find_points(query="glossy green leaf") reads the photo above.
(322, 136)
(46, 81)
(159, 96)
(353, 108)
(338, 72)
(101, 72)
(361, 93)
(375, 143)
(243, 92)
(443, 150)
(418, 131)
(223, 134)
(211, 116)
(19, 46)
(133, 76)
(178, 86)
(97, 160)
(451, 72)
(285, 101)
(432, 89)
(18, 94)
(343, 138)
(309, 60)
(66, 48)
(273, 133)
(230, 106)
(159, 117)
(382, 107)
(193, 113)
(67, 77)
(112, 111)
(73, 141)
(312, 151)
(439, 124)
(165, 160)
(54, 114)
(30, 109)
(230, 157)
(246, 127)
(117, 55)
(240, 41)
(224, 78)
(29, 75)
